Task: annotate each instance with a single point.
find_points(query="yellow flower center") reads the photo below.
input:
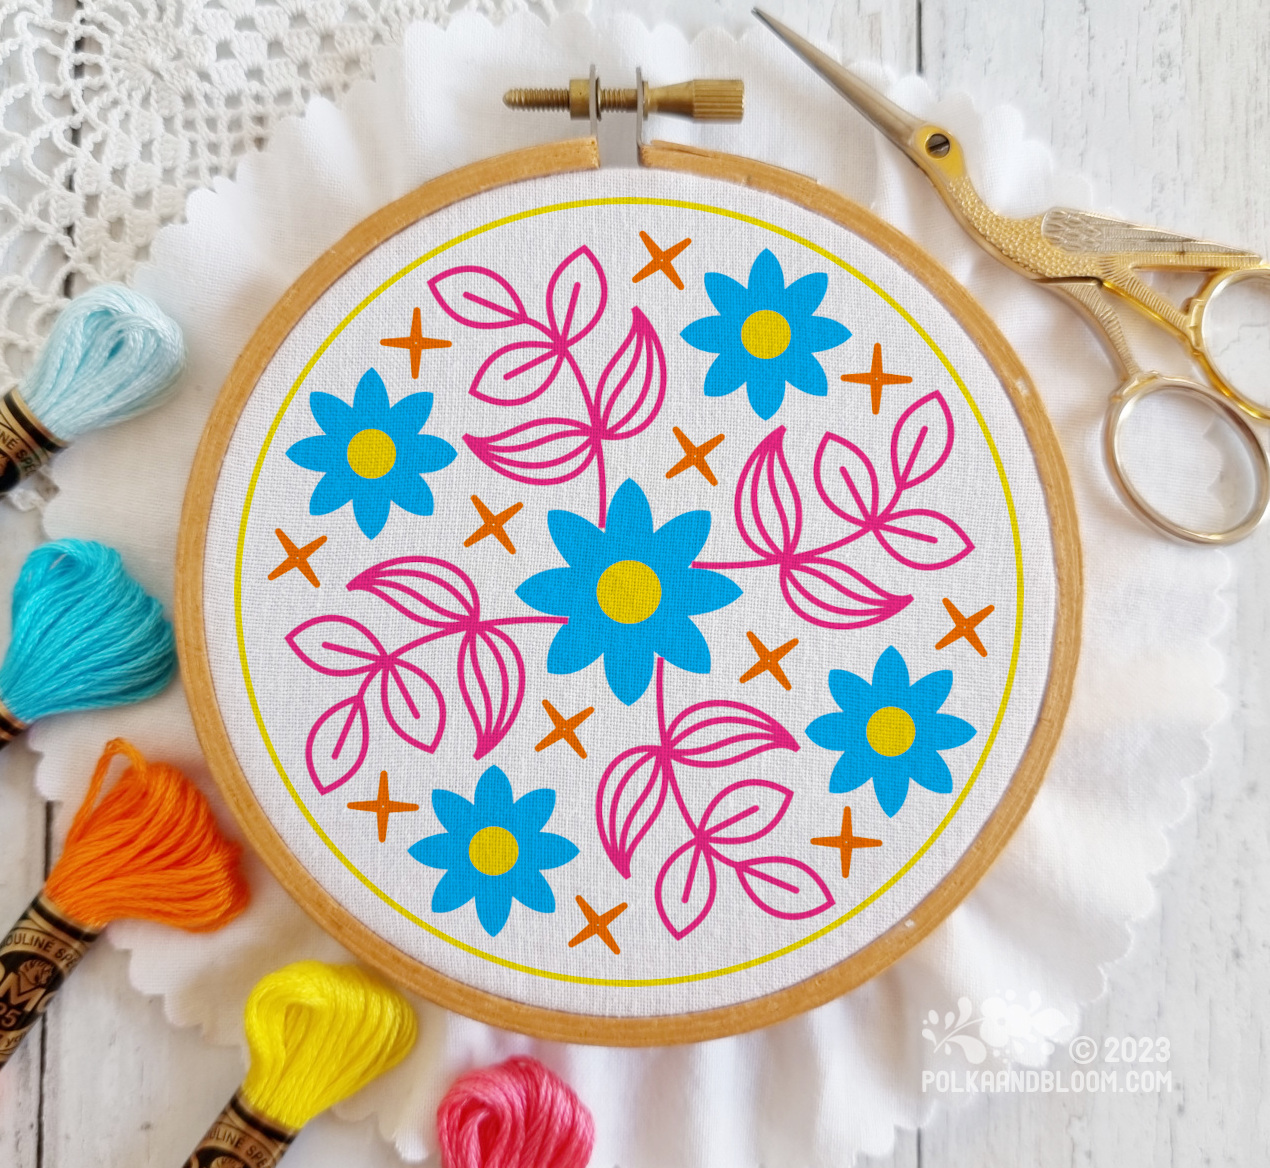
(890, 731)
(493, 851)
(765, 334)
(628, 592)
(371, 454)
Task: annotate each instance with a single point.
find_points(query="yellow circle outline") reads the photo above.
(927, 844)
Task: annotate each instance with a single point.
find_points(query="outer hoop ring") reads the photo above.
(535, 162)
(1126, 399)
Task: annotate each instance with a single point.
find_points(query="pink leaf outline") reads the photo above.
(758, 878)
(479, 290)
(928, 535)
(640, 362)
(522, 358)
(738, 805)
(315, 754)
(637, 814)
(697, 862)
(323, 643)
(492, 692)
(426, 589)
(534, 452)
(578, 273)
(832, 595)
(857, 472)
(719, 733)
(921, 441)
(394, 685)
(768, 507)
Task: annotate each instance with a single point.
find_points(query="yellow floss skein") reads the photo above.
(319, 1033)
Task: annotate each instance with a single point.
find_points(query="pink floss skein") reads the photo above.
(515, 1115)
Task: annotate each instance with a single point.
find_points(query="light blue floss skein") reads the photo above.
(112, 354)
(86, 635)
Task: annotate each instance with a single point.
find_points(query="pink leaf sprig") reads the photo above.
(436, 594)
(918, 537)
(628, 395)
(817, 586)
(634, 791)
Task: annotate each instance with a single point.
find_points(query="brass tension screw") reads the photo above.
(701, 100)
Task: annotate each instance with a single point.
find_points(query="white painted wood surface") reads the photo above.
(1165, 106)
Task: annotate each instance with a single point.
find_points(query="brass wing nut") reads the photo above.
(701, 100)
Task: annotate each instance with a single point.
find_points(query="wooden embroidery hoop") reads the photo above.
(574, 155)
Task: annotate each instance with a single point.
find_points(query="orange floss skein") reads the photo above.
(149, 850)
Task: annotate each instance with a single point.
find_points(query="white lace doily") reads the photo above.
(820, 1088)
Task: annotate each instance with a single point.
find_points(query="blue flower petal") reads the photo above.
(453, 890)
(891, 790)
(891, 673)
(424, 453)
(548, 850)
(317, 453)
(949, 732)
(805, 294)
(371, 511)
(574, 647)
(494, 794)
(684, 536)
(726, 374)
(333, 491)
(766, 277)
(437, 851)
(685, 647)
(454, 812)
(337, 418)
(806, 373)
(578, 540)
(728, 297)
(930, 692)
(532, 810)
(533, 891)
(628, 668)
(710, 334)
(851, 692)
(493, 905)
(629, 512)
(409, 416)
(766, 391)
(412, 494)
(370, 400)
(849, 772)
(832, 731)
(825, 333)
(701, 590)
(552, 591)
(933, 774)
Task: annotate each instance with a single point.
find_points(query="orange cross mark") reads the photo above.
(383, 806)
(493, 525)
(661, 261)
(875, 379)
(964, 626)
(598, 924)
(768, 661)
(297, 557)
(564, 729)
(846, 842)
(695, 456)
(416, 342)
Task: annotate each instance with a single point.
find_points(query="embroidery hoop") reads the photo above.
(555, 159)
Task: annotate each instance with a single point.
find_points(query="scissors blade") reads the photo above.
(897, 124)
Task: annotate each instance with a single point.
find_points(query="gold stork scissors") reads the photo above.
(1084, 257)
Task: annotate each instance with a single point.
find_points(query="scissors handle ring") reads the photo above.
(1122, 404)
(1198, 324)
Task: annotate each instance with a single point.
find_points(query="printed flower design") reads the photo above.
(765, 335)
(890, 731)
(494, 850)
(629, 592)
(372, 454)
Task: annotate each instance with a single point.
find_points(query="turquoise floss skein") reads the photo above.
(112, 355)
(86, 635)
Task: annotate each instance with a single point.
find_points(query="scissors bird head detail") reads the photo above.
(930, 147)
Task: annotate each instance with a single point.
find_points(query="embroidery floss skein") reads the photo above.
(112, 355)
(317, 1033)
(85, 636)
(518, 1114)
(150, 850)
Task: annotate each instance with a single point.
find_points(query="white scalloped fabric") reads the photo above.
(819, 1089)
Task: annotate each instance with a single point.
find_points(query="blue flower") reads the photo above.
(628, 592)
(890, 731)
(765, 334)
(494, 850)
(372, 454)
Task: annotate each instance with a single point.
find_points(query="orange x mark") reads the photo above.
(695, 456)
(416, 342)
(768, 661)
(564, 729)
(875, 379)
(846, 842)
(661, 261)
(493, 525)
(297, 557)
(598, 924)
(383, 806)
(964, 626)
